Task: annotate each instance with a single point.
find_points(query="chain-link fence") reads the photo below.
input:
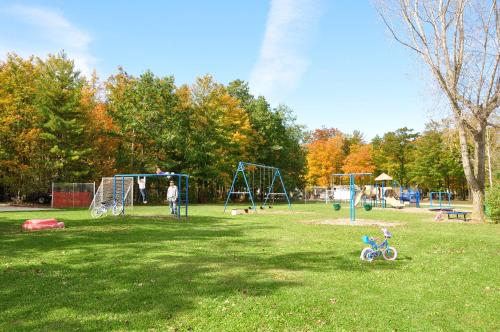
(317, 194)
(326, 194)
(72, 195)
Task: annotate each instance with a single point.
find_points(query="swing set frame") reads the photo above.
(275, 173)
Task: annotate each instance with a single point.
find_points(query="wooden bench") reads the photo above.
(457, 214)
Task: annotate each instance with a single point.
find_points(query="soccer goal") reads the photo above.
(105, 194)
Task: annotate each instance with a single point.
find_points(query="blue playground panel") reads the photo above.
(411, 196)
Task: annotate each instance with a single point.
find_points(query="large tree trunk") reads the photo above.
(480, 173)
(477, 204)
(474, 169)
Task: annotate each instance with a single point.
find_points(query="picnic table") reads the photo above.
(457, 214)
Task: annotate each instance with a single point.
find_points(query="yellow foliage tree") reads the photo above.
(359, 160)
(324, 157)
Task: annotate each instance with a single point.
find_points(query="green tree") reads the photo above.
(143, 110)
(393, 152)
(353, 140)
(58, 99)
(276, 138)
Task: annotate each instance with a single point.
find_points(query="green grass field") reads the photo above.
(264, 272)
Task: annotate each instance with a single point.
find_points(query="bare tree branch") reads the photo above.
(459, 40)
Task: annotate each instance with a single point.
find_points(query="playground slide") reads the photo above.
(394, 202)
(357, 198)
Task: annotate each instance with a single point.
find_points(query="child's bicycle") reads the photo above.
(102, 210)
(378, 249)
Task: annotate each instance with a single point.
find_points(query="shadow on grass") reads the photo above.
(137, 273)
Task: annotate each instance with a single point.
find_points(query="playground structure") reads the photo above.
(374, 195)
(266, 178)
(385, 190)
(354, 195)
(379, 194)
(412, 196)
(440, 195)
(120, 194)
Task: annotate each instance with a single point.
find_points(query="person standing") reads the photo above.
(142, 189)
(172, 196)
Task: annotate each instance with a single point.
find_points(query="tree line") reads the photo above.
(429, 161)
(58, 126)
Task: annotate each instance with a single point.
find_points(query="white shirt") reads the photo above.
(142, 183)
(172, 193)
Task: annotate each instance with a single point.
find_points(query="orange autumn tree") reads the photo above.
(100, 130)
(324, 156)
(359, 160)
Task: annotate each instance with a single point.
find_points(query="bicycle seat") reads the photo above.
(387, 234)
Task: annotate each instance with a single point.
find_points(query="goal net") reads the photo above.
(105, 192)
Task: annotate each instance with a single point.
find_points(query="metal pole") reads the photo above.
(178, 208)
(123, 195)
(352, 211)
(114, 191)
(383, 194)
(249, 192)
(232, 185)
(284, 189)
(187, 195)
(132, 192)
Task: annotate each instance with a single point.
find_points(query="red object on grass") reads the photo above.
(39, 224)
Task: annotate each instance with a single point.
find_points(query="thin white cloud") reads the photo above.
(283, 58)
(47, 31)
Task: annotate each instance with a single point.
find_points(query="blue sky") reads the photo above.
(332, 62)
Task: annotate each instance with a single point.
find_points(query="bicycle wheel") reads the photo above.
(117, 210)
(390, 253)
(369, 254)
(363, 253)
(96, 212)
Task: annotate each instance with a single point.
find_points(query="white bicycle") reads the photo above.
(100, 211)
